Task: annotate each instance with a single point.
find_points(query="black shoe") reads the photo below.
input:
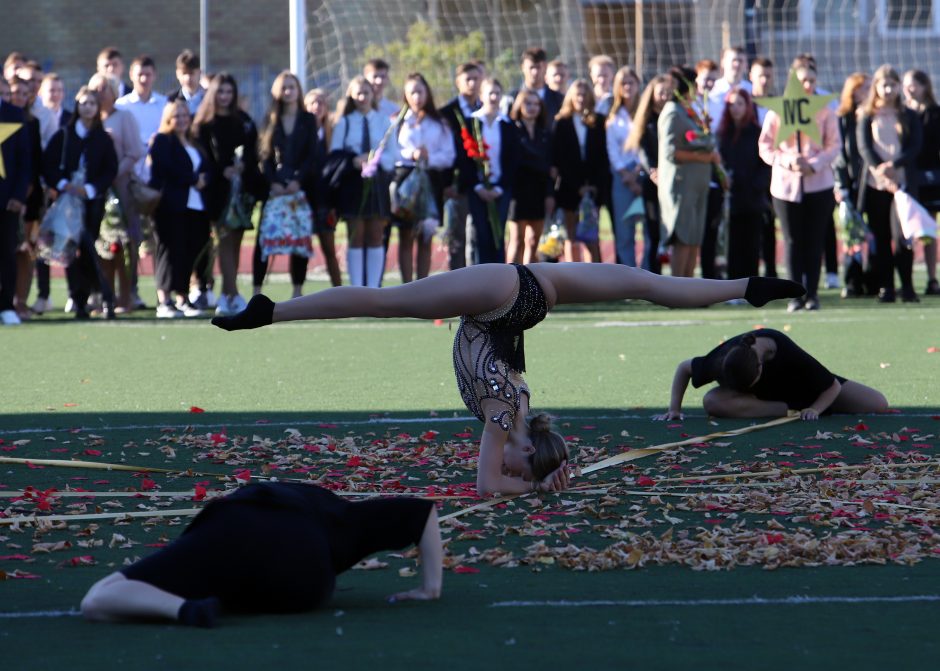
(850, 292)
(81, 314)
(795, 305)
(107, 309)
(933, 288)
(909, 296)
(762, 290)
(886, 296)
(811, 303)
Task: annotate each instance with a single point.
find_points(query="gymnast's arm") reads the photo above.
(822, 402)
(432, 553)
(680, 383)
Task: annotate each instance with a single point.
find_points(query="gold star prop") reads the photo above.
(797, 110)
(6, 130)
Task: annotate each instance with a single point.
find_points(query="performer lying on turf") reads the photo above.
(496, 304)
(268, 547)
(764, 374)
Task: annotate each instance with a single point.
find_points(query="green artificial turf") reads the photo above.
(130, 392)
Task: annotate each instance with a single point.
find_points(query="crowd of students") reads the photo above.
(177, 176)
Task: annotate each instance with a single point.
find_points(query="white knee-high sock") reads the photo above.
(375, 264)
(354, 266)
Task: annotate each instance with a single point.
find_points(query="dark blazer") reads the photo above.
(535, 155)
(293, 157)
(911, 142)
(575, 172)
(848, 164)
(64, 117)
(172, 172)
(551, 100)
(101, 162)
(508, 155)
(220, 138)
(17, 158)
(464, 166)
(750, 176)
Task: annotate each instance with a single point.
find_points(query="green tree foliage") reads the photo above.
(426, 50)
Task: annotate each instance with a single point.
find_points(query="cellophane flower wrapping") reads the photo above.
(286, 226)
(451, 221)
(916, 222)
(113, 236)
(552, 242)
(61, 230)
(852, 224)
(587, 230)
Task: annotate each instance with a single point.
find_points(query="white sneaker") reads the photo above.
(69, 306)
(9, 318)
(42, 305)
(188, 310)
(237, 304)
(168, 312)
(832, 281)
(223, 309)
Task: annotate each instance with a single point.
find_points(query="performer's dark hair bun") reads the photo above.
(550, 447)
(741, 365)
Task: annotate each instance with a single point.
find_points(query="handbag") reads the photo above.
(286, 226)
(145, 197)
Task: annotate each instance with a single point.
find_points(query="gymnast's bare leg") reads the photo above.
(479, 289)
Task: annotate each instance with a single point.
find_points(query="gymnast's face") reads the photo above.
(516, 454)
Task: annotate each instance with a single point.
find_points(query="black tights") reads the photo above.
(887, 230)
(804, 230)
(259, 268)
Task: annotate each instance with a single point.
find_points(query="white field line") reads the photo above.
(39, 613)
(375, 421)
(795, 600)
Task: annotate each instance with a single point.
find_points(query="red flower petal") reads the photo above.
(644, 481)
(195, 409)
(466, 569)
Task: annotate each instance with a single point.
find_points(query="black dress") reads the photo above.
(278, 547)
(533, 184)
(793, 376)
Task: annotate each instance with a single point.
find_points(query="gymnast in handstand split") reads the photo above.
(496, 303)
(763, 373)
(268, 548)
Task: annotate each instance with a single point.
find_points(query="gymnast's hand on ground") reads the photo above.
(557, 480)
(668, 415)
(416, 594)
(809, 414)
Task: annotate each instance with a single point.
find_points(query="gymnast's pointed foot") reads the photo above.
(259, 312)
(762, 290)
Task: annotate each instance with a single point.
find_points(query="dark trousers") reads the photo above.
(259, 268)
(804, 231)
(768, 242)
(84, 273)
(886, 229)
(832, 261)
(205, 258)
(744, 236)
(488, 248)
(42, 279)
(179, 236)
(9, 232)
(710, 237)
(652, 224)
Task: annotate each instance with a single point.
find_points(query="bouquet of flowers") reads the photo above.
(62, 227)
(113, 236)
(552, 244)
(587, 230)
(239, 205)
(476, 150)
(854, 229)
(371, 166)
(701, 139)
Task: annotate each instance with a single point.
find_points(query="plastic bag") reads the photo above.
(451, 221)
(238, 206)
(410, 200)
(61, 230)
(552, 243)
(916, 222)
(286, 226)
(854, 229)
(587, 230)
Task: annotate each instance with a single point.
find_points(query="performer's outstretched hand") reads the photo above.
(762, 290)
(557, 480)
(259, 312)
(668, 415)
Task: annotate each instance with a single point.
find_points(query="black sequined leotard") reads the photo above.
(489, 356)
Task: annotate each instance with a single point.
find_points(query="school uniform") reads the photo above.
(503, 141)
(292, 158)
(462, 177)
(579, 153)
(70, 149)
(532, 184)
(180, 221)
(434, 136)
(17, 160)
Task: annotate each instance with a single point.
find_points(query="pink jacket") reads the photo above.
(786, 182)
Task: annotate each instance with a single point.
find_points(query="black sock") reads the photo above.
(259, 312)
(199, 612)
(762, 290)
